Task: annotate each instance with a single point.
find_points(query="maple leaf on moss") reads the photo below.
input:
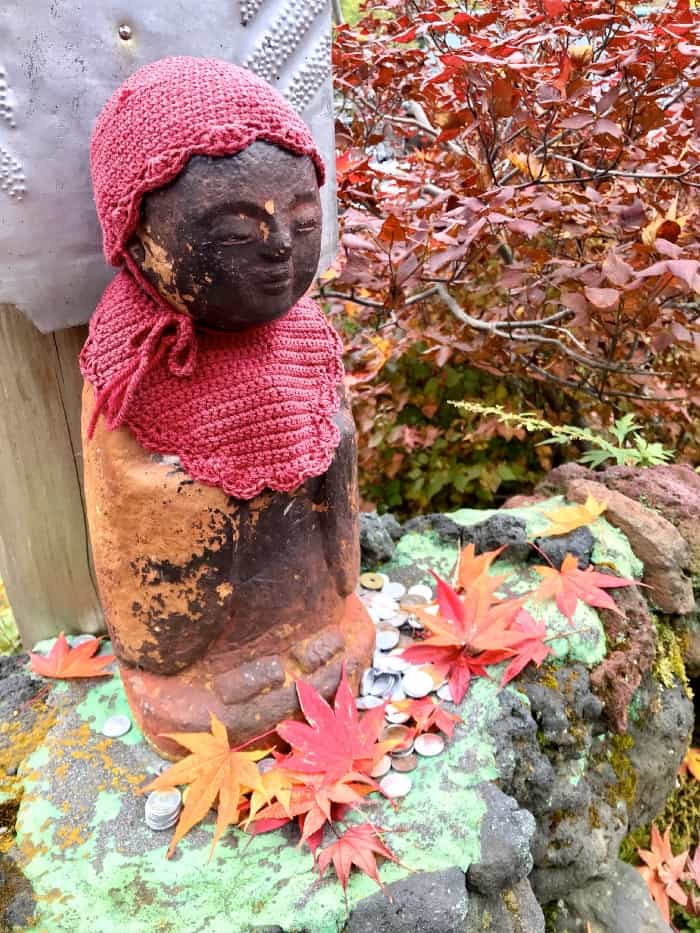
(217, 774)
(428, 713)
(470, 632)
(569, 585)
(662, 871)
(358, 846)
(472, 566)
(333, 742)
(531, 650)
(63, 662)
(570, 517)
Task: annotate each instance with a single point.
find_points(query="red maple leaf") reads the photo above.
(63, 662)
(471, 632)
(358, 846)
(427, 713)
(662, 872)
(531, 649)
(333, 742)
(569, 585)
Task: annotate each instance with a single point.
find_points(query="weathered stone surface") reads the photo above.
(513, 911)
(619, 903)
(498, 530)
(435, 901)
(16, 685)
(441, 525)
(672, 489)
(631, 640)
(376, 542)
(506, 831)
(660, 732)
(578, 542)
(655, 542)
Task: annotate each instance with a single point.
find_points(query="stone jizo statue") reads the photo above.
(220, 460)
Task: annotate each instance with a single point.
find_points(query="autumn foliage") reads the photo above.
(518, 185)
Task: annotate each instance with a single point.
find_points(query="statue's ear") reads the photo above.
(137, 250)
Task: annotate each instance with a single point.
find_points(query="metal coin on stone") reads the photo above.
(162, 809)
(381, 768)
(397, 620)
(385, 608)
(384, 684)
(81, 640)
(397, 693)
(372, 581)
(380, 661)
(384, 577)
(445, 693)
(369, 702)
(421, 589)
(401, 735)
(429, 744)
(387, 638)
(394, 662)
(116, 726)
(367, 682)
(415, 623)
(395, 785)
(395, 716)
(411, 603)
(417, 684)
(404, 763)
(394, 589)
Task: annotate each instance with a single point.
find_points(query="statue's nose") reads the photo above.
(279, 247)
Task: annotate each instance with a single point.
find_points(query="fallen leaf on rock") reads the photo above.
(569, 585)
(358, 846)
(63, 662)
(570, 517)
(428, 713)
(532, 649)
(691, 763)
(217, 774)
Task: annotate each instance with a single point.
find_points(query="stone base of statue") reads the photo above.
(251, 696)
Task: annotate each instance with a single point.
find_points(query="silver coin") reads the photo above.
(369, 702)
(380, 661)
(387, 638)
(367, 682)
(395, 716)
(81, 640)
(429, 744)
(445, 693)
(398, 693)
(381, 768)
(394, 589)
(417, 684)
(384, 608)
(402, 752)
(384, 577)
(266, 764)
(397, 664)
(415, 623)
(116, 726)
(384, 684)
(374, 615)
(395, 785)
(421, 589)
(396, 620)
(163, 809)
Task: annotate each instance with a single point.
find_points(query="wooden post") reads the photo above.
(44, 550)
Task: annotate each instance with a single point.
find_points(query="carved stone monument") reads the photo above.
(220, 463)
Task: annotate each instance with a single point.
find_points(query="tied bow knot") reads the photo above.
(170, 337)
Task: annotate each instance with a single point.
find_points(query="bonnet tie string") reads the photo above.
(169, 336)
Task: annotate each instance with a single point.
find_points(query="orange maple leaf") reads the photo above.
(472, 566)
(359, 846)
(63, 662)
(215, 772)
(569, 585)
(427, 713)
(662, 871)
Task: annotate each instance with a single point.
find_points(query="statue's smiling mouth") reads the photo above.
(277, 282)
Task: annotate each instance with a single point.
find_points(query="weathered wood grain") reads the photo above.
(44, 551)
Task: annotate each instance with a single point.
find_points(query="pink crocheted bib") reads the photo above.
(244, 411)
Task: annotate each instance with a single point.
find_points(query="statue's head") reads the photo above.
(207, 187)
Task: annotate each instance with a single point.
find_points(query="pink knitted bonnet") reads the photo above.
(244, 411)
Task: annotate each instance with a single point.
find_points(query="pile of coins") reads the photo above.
(163, 809)
(391, 678)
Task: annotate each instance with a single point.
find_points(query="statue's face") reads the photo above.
(233, 241)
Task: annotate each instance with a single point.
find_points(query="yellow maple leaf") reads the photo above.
(570, 517)
(691, 763)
